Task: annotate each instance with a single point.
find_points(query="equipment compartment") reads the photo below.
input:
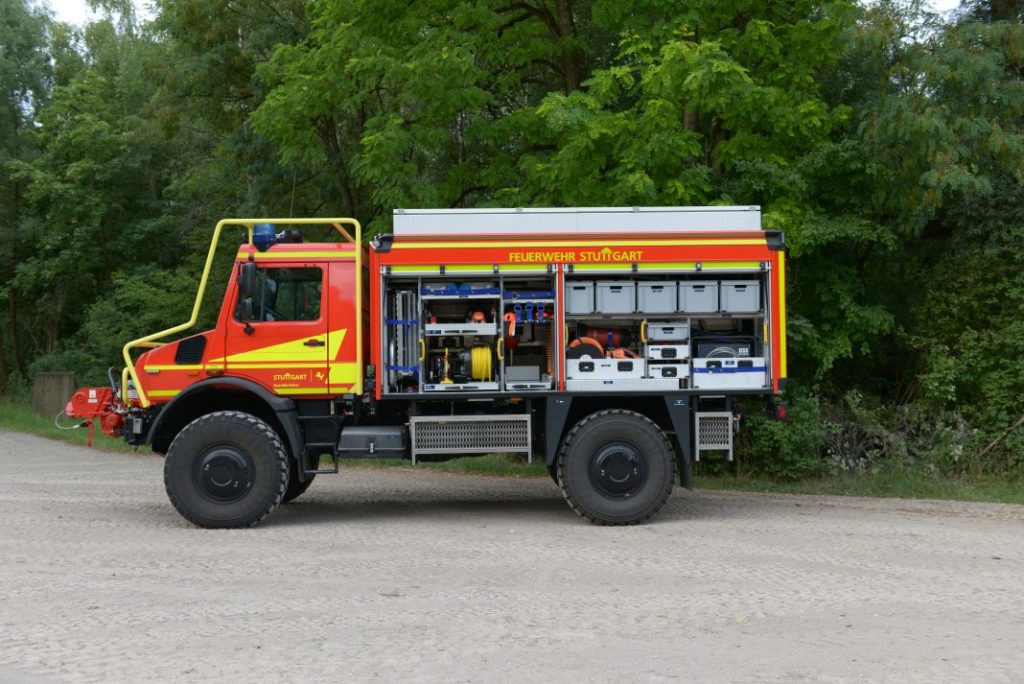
(527, 332)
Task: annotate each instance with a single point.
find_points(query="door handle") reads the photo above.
(314, 343)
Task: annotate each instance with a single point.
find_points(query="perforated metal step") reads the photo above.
(714, 432)
(470, 434)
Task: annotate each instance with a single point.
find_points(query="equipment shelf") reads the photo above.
(437, 329)
(456, 297)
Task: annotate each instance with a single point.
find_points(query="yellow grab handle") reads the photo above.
(643, 331)
(500, 348)
(423, 349)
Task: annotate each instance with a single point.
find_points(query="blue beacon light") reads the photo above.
(263, 236)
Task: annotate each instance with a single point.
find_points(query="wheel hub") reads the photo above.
(618, 470)
(224, 473)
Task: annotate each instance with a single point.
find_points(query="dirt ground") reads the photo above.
(404, 576)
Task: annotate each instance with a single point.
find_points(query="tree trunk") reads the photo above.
(573, 70)
(15, 343)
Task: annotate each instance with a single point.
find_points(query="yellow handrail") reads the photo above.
(248, 224)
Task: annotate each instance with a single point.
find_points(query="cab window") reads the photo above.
(287, 294)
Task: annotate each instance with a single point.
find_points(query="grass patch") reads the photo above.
(20, 417)
(880, 485)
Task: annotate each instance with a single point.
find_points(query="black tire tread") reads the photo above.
(253, 423)
(296, 488)
(567, 444)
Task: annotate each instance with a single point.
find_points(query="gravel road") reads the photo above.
(402, 576)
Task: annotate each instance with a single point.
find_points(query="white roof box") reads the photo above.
(576, 220)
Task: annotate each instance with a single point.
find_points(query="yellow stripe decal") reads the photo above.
(415, 269)
(163, 393)
(668, 266)
(302, 390)
(601, 267)
(673, 266)
(522, 268)
(161, 367)
(724, 265)
(296, 256)
(782, 313)
(292, 351)
(609, 243)
(469, 268)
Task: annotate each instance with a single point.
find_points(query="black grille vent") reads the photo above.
(190, 350)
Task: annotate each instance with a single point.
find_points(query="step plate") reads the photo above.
(714, 432)
(470, 434)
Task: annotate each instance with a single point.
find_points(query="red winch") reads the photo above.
(97, 402)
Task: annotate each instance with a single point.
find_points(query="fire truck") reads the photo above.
(613, 343)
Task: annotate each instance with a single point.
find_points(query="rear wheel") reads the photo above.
(616, 467)
(226, 469)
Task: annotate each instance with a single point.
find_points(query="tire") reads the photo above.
(295, 487)
(616, 467)
(226, 469)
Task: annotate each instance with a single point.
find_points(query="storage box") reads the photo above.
(740, 296)
(669, 370)
(668, 332)
(730, 373)
(656, 297)
(626, 385)
(672, 352)
(724, 346)
(579, 297)
(615, 296)
(698, 296)
(604, 369)
(522, 373)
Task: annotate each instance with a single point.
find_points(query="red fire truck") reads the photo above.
(610, 342)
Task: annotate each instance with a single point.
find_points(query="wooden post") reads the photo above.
(51, 392)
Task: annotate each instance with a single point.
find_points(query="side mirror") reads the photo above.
(243, 310)
(246, 280)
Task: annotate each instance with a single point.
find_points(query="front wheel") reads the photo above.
(226, 469)
(616, 467)
(296, 487)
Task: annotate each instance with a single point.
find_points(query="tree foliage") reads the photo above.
(884, 140)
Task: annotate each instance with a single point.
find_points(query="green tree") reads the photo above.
(25, 75)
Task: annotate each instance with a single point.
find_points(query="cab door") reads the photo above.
(285, 345)
(344, 330)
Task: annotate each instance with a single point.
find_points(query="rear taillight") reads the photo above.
(781, 411)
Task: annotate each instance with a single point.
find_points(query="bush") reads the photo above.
(789, 450)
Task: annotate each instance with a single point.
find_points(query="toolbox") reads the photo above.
(579, 297)
(656, 297)
(740, 296)
(698, 296)
(724, 346)
(668, 332)
(669, 370)
(604, 369)
(730, 373)
(615, 296)
(668, 351)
